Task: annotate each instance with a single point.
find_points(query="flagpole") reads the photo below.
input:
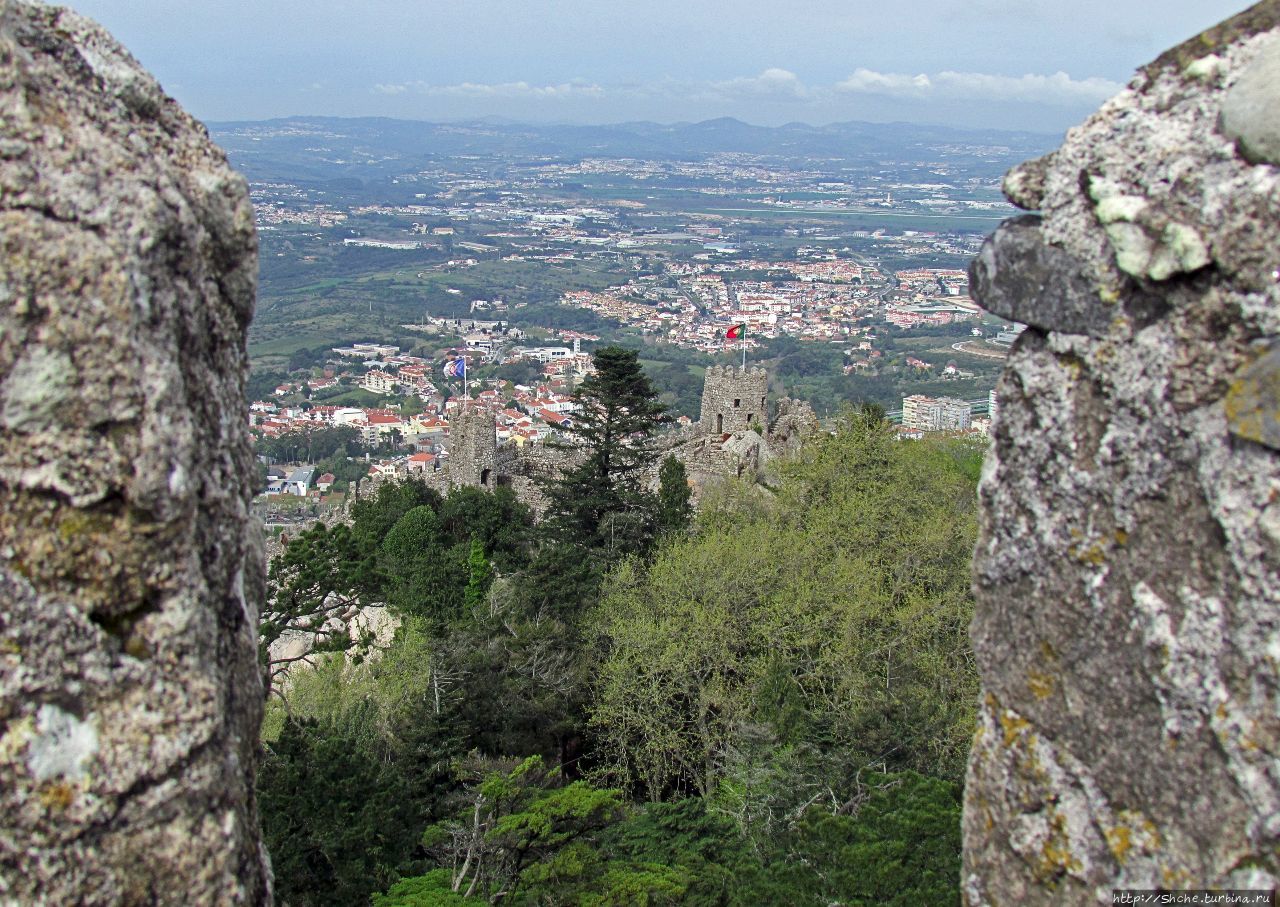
(744, 349)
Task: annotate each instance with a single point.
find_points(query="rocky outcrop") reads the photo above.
(130, 696)
(1128, 570)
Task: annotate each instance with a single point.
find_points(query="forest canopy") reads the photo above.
(768, 703)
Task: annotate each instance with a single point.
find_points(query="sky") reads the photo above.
(1038, 65)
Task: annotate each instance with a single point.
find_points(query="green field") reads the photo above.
(875, 220)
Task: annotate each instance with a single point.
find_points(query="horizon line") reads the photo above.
(495, 120)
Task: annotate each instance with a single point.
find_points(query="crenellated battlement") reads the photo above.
(733, 399)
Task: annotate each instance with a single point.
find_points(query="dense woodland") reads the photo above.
(768, 702)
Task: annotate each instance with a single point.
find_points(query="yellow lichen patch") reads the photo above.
(1243, 419)
(136, 647)
(58, 795)
(1119, 842)
(1056, 857)
(978, 735)
(1013, 726)
(1134, 833)
(1072, 363)
(15, 738)
(1252, 403)
(1153, 841)
(1048, 651)
(1175, 878)
(1095, 555)
(1095, 552)
(1040, 684)
(76, 523)
(10, 647)
(103, 560)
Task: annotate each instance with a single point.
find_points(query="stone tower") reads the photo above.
(473, 449)
(732, 399)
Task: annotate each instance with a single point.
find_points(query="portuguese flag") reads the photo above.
(736, 332)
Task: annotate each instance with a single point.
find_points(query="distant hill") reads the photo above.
(369, 147)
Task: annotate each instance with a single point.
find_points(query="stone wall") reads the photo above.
(1127, 573)
(130, 572)
(733, 399)
(473, 450)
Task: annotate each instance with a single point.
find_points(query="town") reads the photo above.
(407, 286)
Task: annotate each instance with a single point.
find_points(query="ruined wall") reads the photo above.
(130, 695)
(1128, 569)
(795, 423)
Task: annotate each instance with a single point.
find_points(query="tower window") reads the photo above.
(737, 403)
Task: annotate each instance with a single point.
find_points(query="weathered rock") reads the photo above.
(130, 695)
(1019, 276)
(1251, 109)
(1023, 185)
(1128, 569)
(1253, 400)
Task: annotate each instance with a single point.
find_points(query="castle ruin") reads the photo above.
(1127, 574)
(733, 437)
(734, 400)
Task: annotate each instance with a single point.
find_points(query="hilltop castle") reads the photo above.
(733, 436)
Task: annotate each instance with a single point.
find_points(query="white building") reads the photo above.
(935, 413)
(299, 481)
(379, 382)
(542, 353)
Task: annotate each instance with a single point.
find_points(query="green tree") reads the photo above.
(830, 616)
(425, 576)
(674, 509)
(360, 767)
(524, 836)
(373, 517)
(480, 575)
(503, 524)
(320, 578)
(599, 504)
(896, 843)
(333, 817)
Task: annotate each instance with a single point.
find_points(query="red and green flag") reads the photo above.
(735, 332)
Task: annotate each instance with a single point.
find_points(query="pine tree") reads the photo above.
(480, 575)
(600, 504)
(674, 509)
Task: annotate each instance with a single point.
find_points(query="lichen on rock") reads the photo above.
(1127, 573)
(130, 694)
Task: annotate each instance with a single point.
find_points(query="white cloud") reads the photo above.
(497, 90)
(868, 81)
(1057, 89)
(778, 86)
(774, 84)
